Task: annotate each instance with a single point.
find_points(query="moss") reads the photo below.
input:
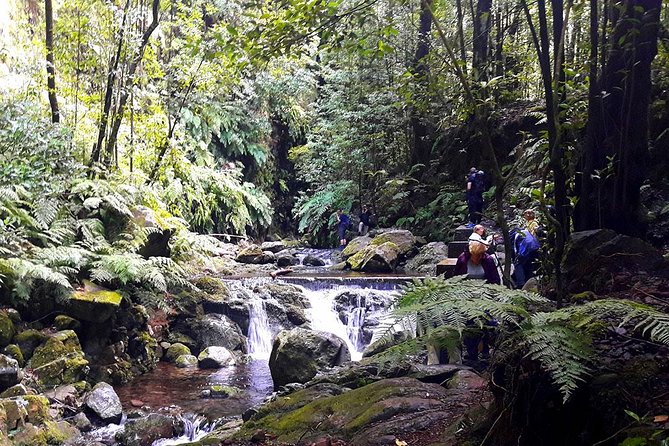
(585, 296)
(387, 251)
(94, 306)
(28, 340)
(13, 351)
(60, 359)
(63, 322)
(37, 408)
(7, 329)
(100, 297)
(212, 285)
(175, 351)
(82, 386)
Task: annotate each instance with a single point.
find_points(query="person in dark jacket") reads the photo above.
(343, 222)
(476, 263)
(363, 226)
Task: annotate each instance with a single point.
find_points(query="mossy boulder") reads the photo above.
(7, 329)
(48, 433)
(13, 351)
(186, 361)
(63, 322)
(221, 391)
(29, 340)
(176, 350)
(298, 354)
(355, 246)
(144, 431)
(255, 255)
(403, 239)
(60, 359)
(94, 305)
(375, 258)
(425, 262)
(212, 285)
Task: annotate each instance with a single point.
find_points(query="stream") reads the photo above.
(349, 306)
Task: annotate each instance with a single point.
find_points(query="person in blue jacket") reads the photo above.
(343, 223)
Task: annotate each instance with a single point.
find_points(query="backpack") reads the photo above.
(526, 244)
(478, 181)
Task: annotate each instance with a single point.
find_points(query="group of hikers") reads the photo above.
(344, 224)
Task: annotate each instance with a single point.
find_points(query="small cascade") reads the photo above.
(195, 427)
(260, 334)
(355, 322)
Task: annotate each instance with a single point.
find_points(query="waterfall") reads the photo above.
(195, 427)
(260, 334)
(354, 324)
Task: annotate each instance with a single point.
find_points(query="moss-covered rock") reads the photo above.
(48, 433)
(185, 361)
(403, 239)
(94, 305)
(212, 285)
(176, 350)
(7, 329)
(355, 246)
(63, 322)
(16, 390)
(60, 359)
(375, 258)
(144, 431)
(29, 340)
(37, 407)
(13, 351)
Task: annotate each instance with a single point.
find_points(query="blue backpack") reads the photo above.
(525, 244)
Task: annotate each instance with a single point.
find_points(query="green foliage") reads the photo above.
(561, 340)
(314, 213)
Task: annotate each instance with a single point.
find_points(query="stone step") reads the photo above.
(462, 233)
(456, 248)
(446, 267)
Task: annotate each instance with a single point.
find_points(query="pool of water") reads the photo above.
(169, 386)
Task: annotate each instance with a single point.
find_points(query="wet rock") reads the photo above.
(144, 431)
(15, 412)
(255, 255)
(355, 246)
(94, 305)
(215, 357)
(60, 359)
(285, 260)
(312, 261)
(7, 329)
(17, 390)
(10, 372)
(63, 322)
(298, 354)
(425, 262)
(176, 337)
(67, 394)
(185, 361)
(466, 380)
(296, 315)
(104, 403)
(284, 293)
(375, 258)
(82, 422)
(218, 330)
(220, 391)
(403, 239)
(13, 351)
(176, 350)
(29, 340)
(273, 247)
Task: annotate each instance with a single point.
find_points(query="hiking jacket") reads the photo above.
(488, 263)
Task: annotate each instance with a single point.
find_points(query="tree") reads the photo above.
(50, 64)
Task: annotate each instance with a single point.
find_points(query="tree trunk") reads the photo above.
(482, 25)
(422, 145)
(461, 33)
(50, 64)
(617, 166)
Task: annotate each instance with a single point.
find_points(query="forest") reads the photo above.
(170, 176)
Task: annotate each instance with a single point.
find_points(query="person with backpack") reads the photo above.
(343, 224)
(526, 251)
(475, 189)
(363, 226)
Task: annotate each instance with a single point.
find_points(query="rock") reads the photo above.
(185, 361)
(104, 402)
(220, 391)
(218, 330)
(465, 380)
(375, 258)
(63, 322)
(296, 315)
(283, 261)
(7, 329)
(82, 422)
(144, 431)
(255, 255)
(176, 350)
(16, 390)
(10, 372)
(298, 354)
(355, 246)
(312, 261)
(428, 256)
(592, 256)
(273, 247)
(29, 340)
(15, 412)
(37, 408)
(403, 239)
(176, 337)
(60, 359)
(66, 394)
(284, 293)
(136, 403)
(13, 351)
(215, 357)
(96, 305)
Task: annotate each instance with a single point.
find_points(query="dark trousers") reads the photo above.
(475, 209)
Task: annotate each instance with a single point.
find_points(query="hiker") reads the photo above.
(477, 235)
(343, 223)
(363, 226)
(475, 188)
(531, 224)
(526, 251)
(475, 263)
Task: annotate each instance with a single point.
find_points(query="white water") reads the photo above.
(260, 333)
(195, 428)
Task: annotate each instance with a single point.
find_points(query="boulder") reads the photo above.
(284, 293)
(59, 360)
(255, 255)
(375, 258)
(94, 305)
(298, 354)
(283, 261)
(312, 261)
(273, 247)
(144, 431)
(63, 322)
(425, 262)
(355, 246)
(17, 390)
(82, 422)
(29, 340)
(185, 361)
(221, 391)
(157, 242)
(403, 239)
(10, 372)
(591, 257)
(176, 350)
(218, 330)
(7, 330)
(104, 403)
(13, 351)
(215, 358)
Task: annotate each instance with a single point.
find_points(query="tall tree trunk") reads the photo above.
(422, 145)
(461, 33)
(620, 160)
(482, 25)
(50, 63)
